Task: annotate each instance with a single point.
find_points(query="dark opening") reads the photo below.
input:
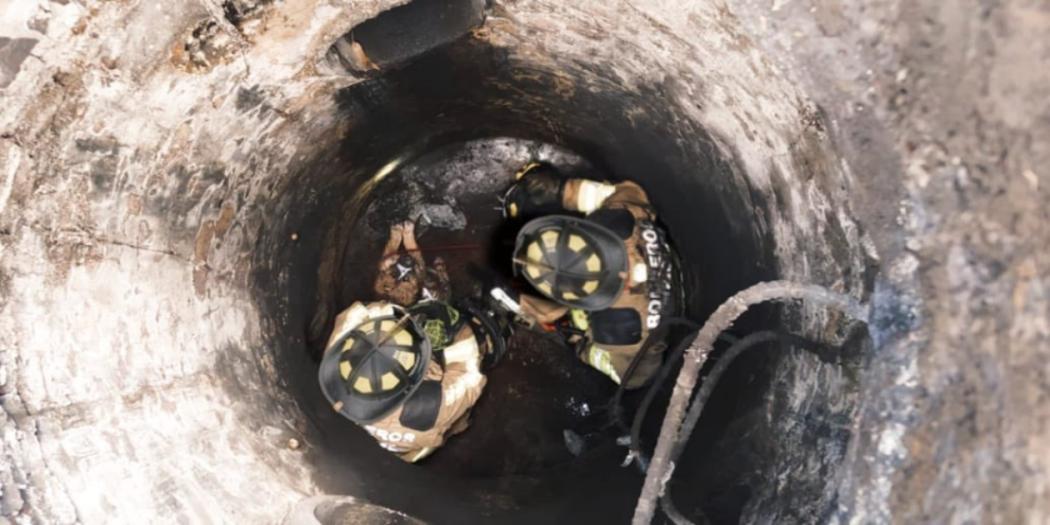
(406, 31)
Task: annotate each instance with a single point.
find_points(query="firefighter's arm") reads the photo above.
(409, 229)
(586, 196)
(462, 383)
(538, 191)
(392, 244)
(529, 308)
(541, 310)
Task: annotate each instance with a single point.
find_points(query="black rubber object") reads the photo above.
(618, 220)
(420, 411)
(615, 326)
(490, 329)
(538, 193)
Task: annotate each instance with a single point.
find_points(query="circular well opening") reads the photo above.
(441, 136)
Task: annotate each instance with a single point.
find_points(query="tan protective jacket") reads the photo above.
(461, 385)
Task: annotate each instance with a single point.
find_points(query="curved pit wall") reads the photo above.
(176, 244)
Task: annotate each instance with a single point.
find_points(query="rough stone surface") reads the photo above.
(938, 110)
(132, 371)
(153, 153)
(12, 53)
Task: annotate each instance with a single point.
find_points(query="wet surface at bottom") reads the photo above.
(540, 388)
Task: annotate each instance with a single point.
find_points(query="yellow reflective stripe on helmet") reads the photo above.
(590, 286)
(550, 240)
(363, 385)
(576, 243)
(594, 263)
(602, 362)
(388, 381)
(534, 252)
(407, 359)
(403, 337)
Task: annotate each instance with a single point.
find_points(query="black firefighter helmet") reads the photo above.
(375, 367)
(573, 261)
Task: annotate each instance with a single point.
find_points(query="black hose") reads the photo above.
(650, 394)
(617, 406)
(708, 386)
(661, 376)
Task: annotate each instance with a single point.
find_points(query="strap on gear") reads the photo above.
(421, 409)
(490, 331)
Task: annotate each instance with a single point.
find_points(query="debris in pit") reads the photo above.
(578, 407)
(574, 442)
(440, 216)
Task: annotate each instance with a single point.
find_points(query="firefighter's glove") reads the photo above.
(537, 193)
(505, 299)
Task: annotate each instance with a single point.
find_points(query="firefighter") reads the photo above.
(403, 276)
(408, 367)
(408, 376)
(603, 266)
